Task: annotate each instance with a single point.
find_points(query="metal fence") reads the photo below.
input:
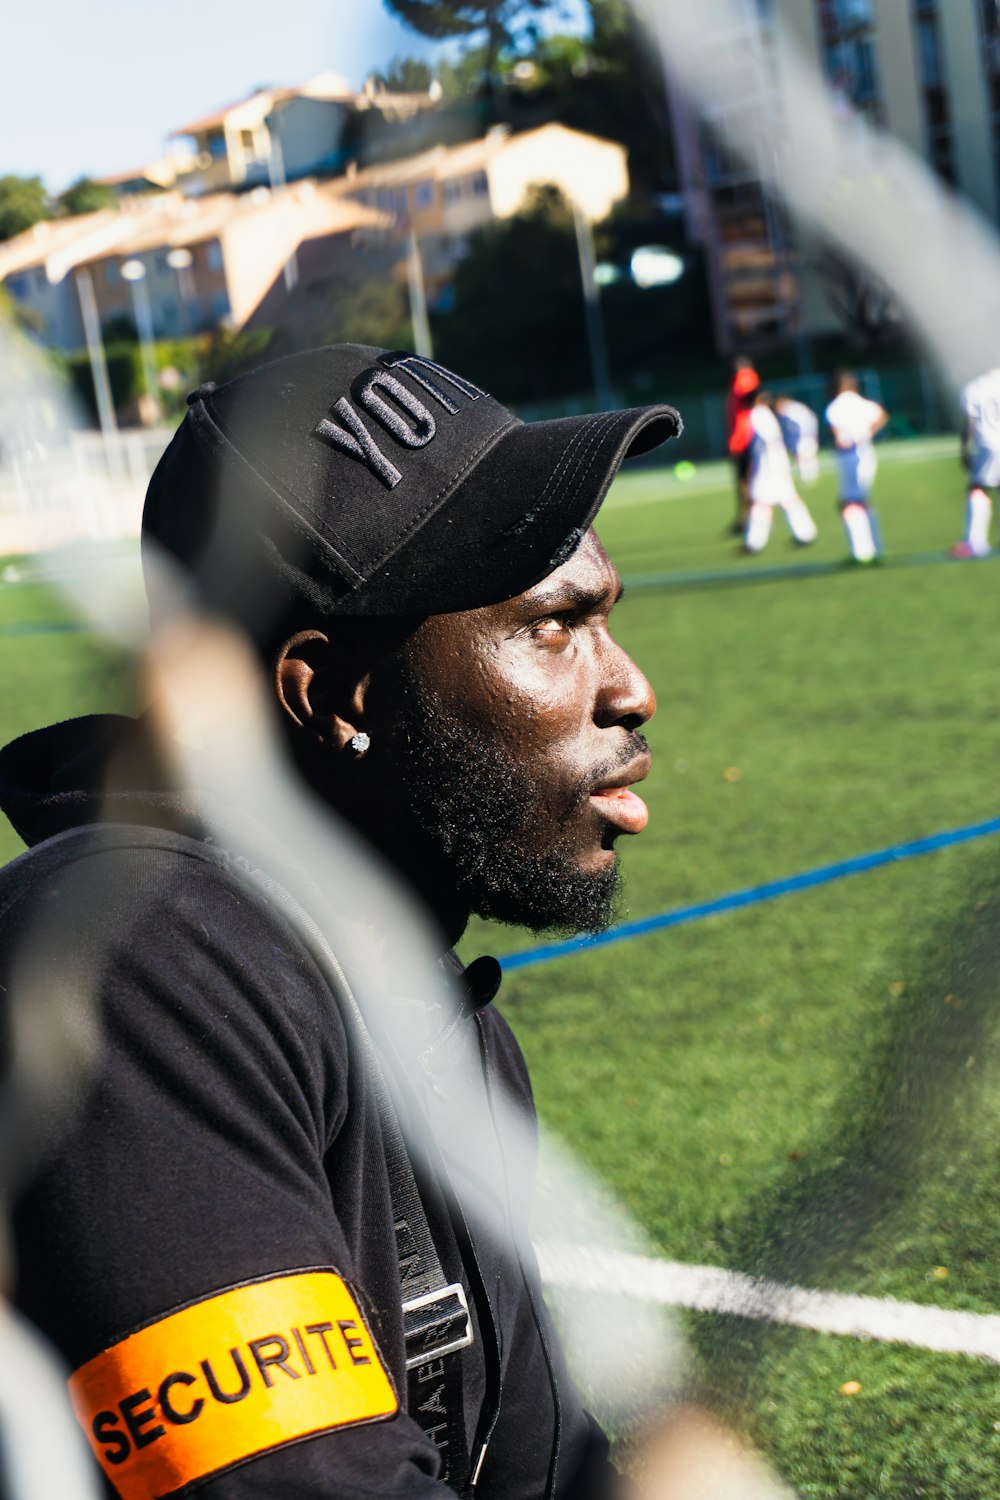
(75, 485)
(916, 404)
(69, 485)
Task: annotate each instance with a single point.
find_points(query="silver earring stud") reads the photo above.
(359, 743)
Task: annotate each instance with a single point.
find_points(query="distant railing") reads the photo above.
(80, 487)
(83, 486)
(912, 397)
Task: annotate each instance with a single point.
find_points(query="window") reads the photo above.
(851, 14)
(214, 255)
(848, 35)
(216, 146)
(989, 50)
(111, 277)
(928, 49)
(452, 190)
(479, 186)
(423, 193)
(937, 110)
(247, 142)
(220, 306)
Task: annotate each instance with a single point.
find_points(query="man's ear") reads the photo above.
(317, 691)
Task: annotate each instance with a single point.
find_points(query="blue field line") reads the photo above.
(754, 894)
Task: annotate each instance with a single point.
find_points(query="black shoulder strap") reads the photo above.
(436, 1321)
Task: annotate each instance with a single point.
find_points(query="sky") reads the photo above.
(89, 87)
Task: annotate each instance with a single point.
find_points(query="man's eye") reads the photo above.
(552, 630)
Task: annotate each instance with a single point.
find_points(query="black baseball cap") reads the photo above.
(359, 482)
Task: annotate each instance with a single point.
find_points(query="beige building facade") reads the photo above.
(926, 71)
(206, 261)
(444, 195)
(282, 134)
(185, 263)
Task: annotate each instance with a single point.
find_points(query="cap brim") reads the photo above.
(516, 516)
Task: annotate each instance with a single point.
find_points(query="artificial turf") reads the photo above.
(806, 1089)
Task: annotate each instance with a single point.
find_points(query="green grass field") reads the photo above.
(806, 1089)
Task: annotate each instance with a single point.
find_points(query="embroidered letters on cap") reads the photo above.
(424, 426)
(357, 442)
(421, 370)
(231, 1377)
(351, 435)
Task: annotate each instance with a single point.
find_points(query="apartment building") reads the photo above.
(927, 71)
(282, 134)
(176, 262)
(447, 193)
(204, 261)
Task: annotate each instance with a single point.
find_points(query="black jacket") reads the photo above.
(212, 1126)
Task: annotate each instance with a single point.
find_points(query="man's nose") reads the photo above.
(626, 697)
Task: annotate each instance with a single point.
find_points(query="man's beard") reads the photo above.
(478, 808)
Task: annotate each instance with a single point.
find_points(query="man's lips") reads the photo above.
(617, 803)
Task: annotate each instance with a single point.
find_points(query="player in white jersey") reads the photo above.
(854, 421)
(800, 427)
(981, 456)
(770, 484)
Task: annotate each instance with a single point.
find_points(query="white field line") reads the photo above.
(710, 1289)
(717, 474)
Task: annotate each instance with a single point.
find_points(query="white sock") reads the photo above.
(859, 532)
(758, 527)
(800, 522)
(978, 514)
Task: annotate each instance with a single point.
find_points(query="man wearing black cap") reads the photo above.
(276, 1234)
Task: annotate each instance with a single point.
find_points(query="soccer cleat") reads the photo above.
(963, 550)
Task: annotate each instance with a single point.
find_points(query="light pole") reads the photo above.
(592, 308)
(422, 344)
(279, 182)
(98, 364)
(134, 272)
(181, 261)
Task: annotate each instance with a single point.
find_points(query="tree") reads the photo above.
(864, 304)
(468, 74)
(363, 306)
(23, 202)
(516, 323)
(609, 83)
(85, 196)
(502, 21)
(408, 75)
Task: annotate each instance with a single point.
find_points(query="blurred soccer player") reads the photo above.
(739, 400)
(854, 421)
(770, 484)
(981, 456)
(800, 429)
